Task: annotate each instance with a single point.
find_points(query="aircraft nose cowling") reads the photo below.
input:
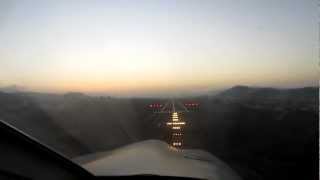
(157, 158)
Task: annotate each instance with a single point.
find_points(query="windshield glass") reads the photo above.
(206, 89)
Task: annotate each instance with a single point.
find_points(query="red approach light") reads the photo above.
(191, 104)
(157, 105)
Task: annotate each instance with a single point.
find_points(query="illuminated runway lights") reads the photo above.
(177, 130)
(177, 134)
(176, 123)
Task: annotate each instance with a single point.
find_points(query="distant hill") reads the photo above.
(271, 131)
(25, 114)
(12, 89)
(63, 121)
(100, 123)
(243, 92)
(298, 98)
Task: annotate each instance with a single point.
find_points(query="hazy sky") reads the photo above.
(153, 47)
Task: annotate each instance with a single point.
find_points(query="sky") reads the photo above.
(157, 47)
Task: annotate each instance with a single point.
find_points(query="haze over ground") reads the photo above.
(129, 48)
(262, 133)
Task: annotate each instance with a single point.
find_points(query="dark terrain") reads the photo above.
(263, 133)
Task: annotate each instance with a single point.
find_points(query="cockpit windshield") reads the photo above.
(204, 89)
